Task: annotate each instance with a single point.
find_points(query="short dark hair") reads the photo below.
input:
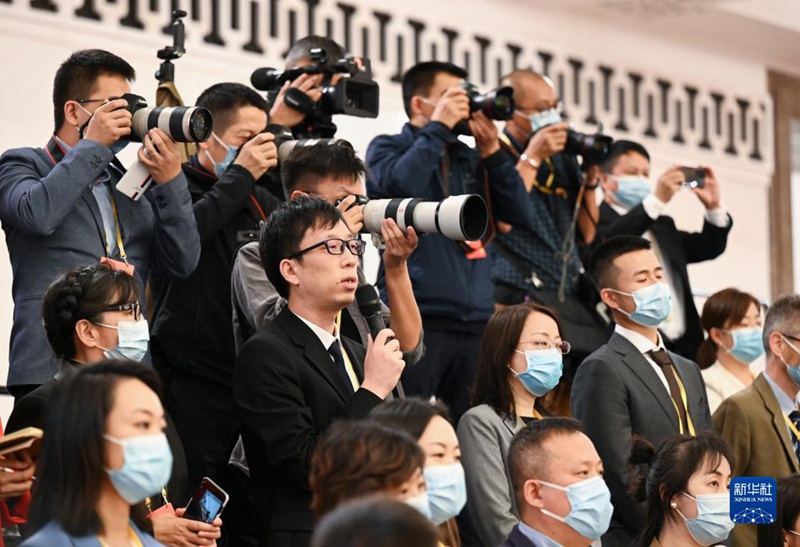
(83, 293)
(723, 309)
(71, 467)
(77, 75)
(375, 520)
(660, 475)
(301, 50)
(788, 498)
(306, 166)
(622, 148)
(411, 415)
(353, 459)
(284, 230)
(527, 456)
(419, 79)
(491, 385)
(225, 99)
(601, 262)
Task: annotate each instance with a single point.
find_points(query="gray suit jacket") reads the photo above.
(53, 535)
(485, 437)
(616, 394)
(53, 224)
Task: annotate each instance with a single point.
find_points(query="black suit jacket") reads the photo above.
(679, 248)
(518, 539)
(287, 392)
(616, 394)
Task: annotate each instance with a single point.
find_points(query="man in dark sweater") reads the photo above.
(192, 336)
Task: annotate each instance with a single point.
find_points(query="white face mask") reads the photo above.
(134, 339)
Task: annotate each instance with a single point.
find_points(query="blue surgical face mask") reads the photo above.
(713, 523)
(146, 469)
(747, 344)
(447, 491)
(230, 155)
(421, 503)
(653, 304)
(538, 120)
(631, 190)
(134, 338)
(792, 370)
(590, 507)
(543, 372)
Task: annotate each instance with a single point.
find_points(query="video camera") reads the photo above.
(355, 94)
(181, 123)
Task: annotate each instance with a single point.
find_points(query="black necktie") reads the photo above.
(794, 416)
(665, 363)
(341, 369)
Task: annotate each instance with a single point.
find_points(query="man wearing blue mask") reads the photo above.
(632, 385)
(557, 477)
(192, 338)
(60, 209)
(761, 422)
(633, 207)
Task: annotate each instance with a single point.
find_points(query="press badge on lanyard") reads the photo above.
(119, 265)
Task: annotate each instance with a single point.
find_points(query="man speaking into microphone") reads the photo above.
(298, 373)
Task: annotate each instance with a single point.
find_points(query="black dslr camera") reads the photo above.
(497, 104)
(355, 94)
(592, 148)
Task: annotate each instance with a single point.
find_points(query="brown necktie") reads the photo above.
(662, 359)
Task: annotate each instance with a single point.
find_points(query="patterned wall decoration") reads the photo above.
(629, 103)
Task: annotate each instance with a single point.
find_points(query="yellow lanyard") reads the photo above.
(135, 541)
(347, 362)
(122, 254)
(547, 188)
(685, 405)
(792, 427)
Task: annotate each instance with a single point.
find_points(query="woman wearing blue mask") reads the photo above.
(732, 319)
(685, 485)
(104, 452)
(430, 425)
(91, 314)
(520, 362)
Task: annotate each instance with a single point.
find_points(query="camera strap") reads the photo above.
(508, 146)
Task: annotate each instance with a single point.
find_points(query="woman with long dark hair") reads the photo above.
(104, 452)
(685, 485)
(732, 319)
(785, 530)
(429, 423)
(520, 362)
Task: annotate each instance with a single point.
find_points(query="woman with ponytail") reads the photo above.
(732, 319)
(685, 487)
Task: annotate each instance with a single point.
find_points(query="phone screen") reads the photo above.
(206, 505)
(695, 177)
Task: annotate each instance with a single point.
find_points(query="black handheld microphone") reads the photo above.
(369, 304)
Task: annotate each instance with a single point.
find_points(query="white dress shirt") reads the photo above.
(644, 344)
(327, 339)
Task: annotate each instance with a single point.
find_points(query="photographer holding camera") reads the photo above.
(452, 281)
(632, 207)
(60, 210)
(192, 340)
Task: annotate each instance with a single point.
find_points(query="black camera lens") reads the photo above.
(593, 148)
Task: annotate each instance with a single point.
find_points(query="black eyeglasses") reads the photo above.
(135, 307)
(793, 338)
(336, 246)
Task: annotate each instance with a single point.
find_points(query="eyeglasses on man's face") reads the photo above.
(336, 246)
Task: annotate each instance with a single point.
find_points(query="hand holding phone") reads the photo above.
(695, 177)
(207, 502)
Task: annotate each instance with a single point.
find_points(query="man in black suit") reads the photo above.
(296, 374)
(631, 207)
(548, 460)
(632, 385)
